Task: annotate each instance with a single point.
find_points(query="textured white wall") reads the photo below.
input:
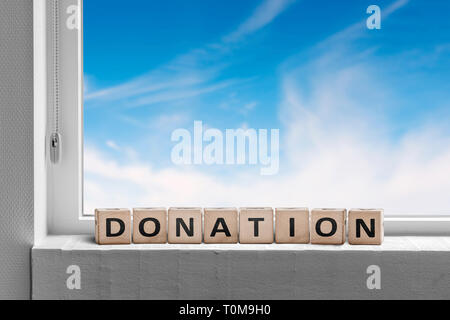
(410, 268)
(16, 147)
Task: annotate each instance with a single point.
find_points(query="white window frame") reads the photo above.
(59, 188)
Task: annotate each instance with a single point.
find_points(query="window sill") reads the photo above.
(402, 244)
(411, 268)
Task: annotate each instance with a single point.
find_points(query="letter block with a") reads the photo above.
(113, 226)
(292, 225)
(256, 225)
(221, 225)
(185, 225)
(328, 226)
(365, 226)
(150, 225)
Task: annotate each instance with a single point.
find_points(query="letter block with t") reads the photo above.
(221, 225)
(256, 225)
(185, 225)
(113, 226)
(150, 225)
(365, 226)
(292, 225)
(328, 226)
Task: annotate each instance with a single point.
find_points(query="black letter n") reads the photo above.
(360, 223)
(189, 231)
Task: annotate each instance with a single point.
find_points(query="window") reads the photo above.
(267, 102)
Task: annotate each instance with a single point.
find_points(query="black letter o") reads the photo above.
(157, 227)
(333, 227)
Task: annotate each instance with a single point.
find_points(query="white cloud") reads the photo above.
(355, 30)
(111, 144)
(344, 156)
(264, 14)
(158, 82)
(191, 74)
(335, 156)
(336, 149)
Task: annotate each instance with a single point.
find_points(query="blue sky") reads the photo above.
(357, 109)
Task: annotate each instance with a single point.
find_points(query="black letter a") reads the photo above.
(220, 221)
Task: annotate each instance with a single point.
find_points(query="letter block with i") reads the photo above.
(328, 226)
(221, 225)
(150, 225)
(256, 225)
(365, 226)
(292, 225)
(185, 225)
(113, 226)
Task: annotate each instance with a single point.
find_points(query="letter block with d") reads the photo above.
(185, 225)
(113, 226)
(365, 226)
(328, 226)
(256, 225)
(150, 225)
(221, 225)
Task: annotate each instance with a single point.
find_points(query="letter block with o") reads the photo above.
(150, 225)
(113, 226)
(365, 226)
(328, 226)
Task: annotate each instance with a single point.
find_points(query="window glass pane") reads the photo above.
(339, 104)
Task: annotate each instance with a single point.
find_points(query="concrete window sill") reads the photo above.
(411, 268)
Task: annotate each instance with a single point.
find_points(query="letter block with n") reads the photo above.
(113, 226)
(150, 225)
(185, 225)
(365, 226)
(221, 225)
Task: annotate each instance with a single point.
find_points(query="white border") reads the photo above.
(70, 221)
(40, 120)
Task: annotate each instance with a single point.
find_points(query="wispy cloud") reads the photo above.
(191, 74)
(336, 153)
(336, 144)
(113, 145)
(181, 93)
(356, 30)
(263, 15)
(157, 84)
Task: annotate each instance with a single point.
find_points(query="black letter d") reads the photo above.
(109, 234)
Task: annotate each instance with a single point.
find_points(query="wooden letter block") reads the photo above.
(292, 225)
(150, 225)
(185, 225)
(328, 226)
(256, 225)
(221, 225)
(113, 226)
(365, 226)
